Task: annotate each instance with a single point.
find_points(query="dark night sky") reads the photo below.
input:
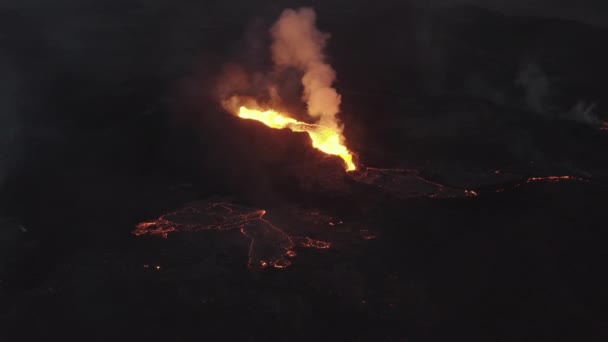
(589, 11)
(107, 43)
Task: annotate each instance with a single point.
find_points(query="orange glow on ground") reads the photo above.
(269, 245)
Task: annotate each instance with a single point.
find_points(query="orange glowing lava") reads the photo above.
(269, 245)
(325, 139)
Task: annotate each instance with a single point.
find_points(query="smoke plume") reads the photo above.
(299, 44)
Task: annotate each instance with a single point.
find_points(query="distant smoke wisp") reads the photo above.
(536, 86)
(538, 95)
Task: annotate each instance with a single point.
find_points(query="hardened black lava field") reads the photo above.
(135, 205)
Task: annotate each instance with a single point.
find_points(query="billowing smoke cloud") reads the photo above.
(299, 44)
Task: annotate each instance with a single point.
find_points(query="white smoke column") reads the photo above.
(297, 43)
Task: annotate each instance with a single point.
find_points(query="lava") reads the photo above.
(471, 193)
(367, 234)
(405, 183)
(311, 243)
(553, 179)
(269, 245)
(327, 140)
(540, 179)
(411, 183)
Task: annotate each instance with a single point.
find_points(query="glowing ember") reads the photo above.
(367, 234)
(325, 139)
(470, 193)
(311, 243)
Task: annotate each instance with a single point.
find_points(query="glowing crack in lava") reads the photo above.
(325, 139)
(269, 246)
(554, 179)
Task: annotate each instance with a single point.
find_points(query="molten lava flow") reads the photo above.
(325, 139)
(269, 245)
(407, 183)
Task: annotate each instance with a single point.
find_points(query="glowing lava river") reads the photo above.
(325, 139)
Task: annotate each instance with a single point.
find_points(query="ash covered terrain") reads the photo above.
(134, 205)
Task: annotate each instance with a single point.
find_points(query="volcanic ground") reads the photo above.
(139, 209)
